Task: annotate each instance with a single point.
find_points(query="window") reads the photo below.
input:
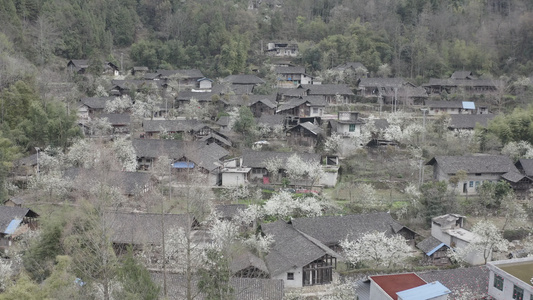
(471, 184)
(518, 293)
(315, 110)
(478, 174)
(352, 127)
(531, 297)
(290, 276)
(498, 282)
(477, 183)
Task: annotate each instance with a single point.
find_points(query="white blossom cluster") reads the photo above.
(118, 105)
(376, 248)
(517, 150)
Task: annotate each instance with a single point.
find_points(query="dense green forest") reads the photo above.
(416, 38)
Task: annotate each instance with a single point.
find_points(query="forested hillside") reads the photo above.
(416, 38)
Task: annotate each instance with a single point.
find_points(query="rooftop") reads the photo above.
(423, 292)
(392, 284)
(520, 268)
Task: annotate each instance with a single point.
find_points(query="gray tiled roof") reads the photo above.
(257, 159)
(245, 259)
(327, 89)
(526, 165)
(428, 244)
(237, 89)
(462, 75)
(130, 183)
(290, 70)
(184, 74)
(495, 164)
(444, 104)
(223, 121)
(268, 100)
(310, 127)
(330, 230)
(514, 177)
(80, 63)
(469, 121)
(30, 160)
(475, 279)
(243, 288)
(173, 125)
(7, 214)
(464, 82)
(243, 79)
(217, 137)
(228, 211)
(96, 102)
(136, 84)
(143, 228)
(291, 248)
(201, 97)
(271, 120)
(291, 92)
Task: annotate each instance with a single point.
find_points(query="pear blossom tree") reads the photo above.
(99, 126)
(377, 249)
(100, 91)
(273, 165)
(193, 110)
(333, 143)
(119, 105)
(364, 196)
(125, 154)
(298, 169)
(283, 205)
(518, 150)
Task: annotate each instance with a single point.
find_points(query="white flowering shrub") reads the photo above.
(101, 92)
(259, 243)
(377, 249)
(518, 150)
(6, 274)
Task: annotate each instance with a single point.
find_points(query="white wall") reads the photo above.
(298, 278)
(330, 178)
(508, 284)
(377, 293)
(233, 179)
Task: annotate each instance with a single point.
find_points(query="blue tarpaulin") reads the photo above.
(469, 105)
(13, 225)
(183, 165)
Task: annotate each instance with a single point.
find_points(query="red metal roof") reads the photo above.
(392, 284)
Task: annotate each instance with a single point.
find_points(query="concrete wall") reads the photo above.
(377, 293)
(233, 179)
(298, 278)
(330, 178)
(508, 285)
(344, 130)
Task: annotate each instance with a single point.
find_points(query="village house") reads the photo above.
(262, 105)
(478, 168)
(156, 128)
(348, 124)
(120, 123)
(143, 229)
(453, 108)
(80, 66)
(24, 168)
(292, 77)
(435, 251)
(92, 106)
(406, 286)
(511, 279)
(139, 71)
(244, 264)
(331, 230)
(128, 86)
(305, 106)
(130, 184)
(449, 229)
(206, 158)
(463, 81)
(469, 122)
(15, 221)
(472, 279)
(392, 90)
(273, 122)
(297, 259)
(185, 79)
(184, 97)
(333, 94)
(354, 69)
(282, 49)
(305, 134)
(233, 174)
(243, 288)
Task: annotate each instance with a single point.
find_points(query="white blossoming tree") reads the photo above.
(119, 105)
(298, 169)
(517, 150)
(333, 143)
(273, 165)
(283, 205)
(125, 154)
(193, 110)
(376, 249)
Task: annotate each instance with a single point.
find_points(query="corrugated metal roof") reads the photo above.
(183, 165)
(13, 225)
(469, 105)
(435, 249)
(424, 292)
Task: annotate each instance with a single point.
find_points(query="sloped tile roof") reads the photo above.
(444, 104)
(201, 97)
(309, 127)
(382, 82)
(429, 244)
(290, 70)
(116, 119)
(143, 228)
(271, 120)
(330, 230)
(291, 248)
(8, 214)
(327, 89)
(184, 74)
(130, 183)
(475, 279)
(243, 79)
(495, 164)
(96, 102)
(526, 165)
(469, 121)
(258, 159)
(245, 259)
(243, 288)
(173, 125)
